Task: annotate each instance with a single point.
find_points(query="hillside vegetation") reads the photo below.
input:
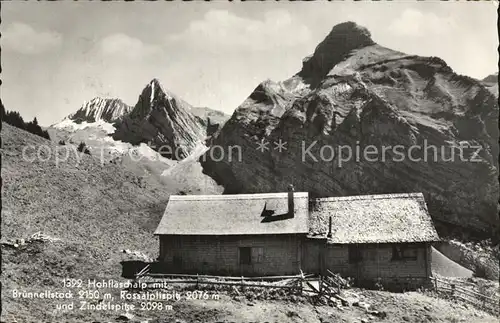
(95, 210)
(14, 118)
(98, 210)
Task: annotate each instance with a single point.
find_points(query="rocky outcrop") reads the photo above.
(339, 43)
(164, 121)
(363, 119)
(491, 83)
(97, 109)
(492, 78)
(212, 120)
(215, 116)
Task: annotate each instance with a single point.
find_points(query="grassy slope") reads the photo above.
(97, 211)
(102, 206)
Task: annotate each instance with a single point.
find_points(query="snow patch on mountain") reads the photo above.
(152, 92)
(96, 136)
(197, 152)
(72, 126)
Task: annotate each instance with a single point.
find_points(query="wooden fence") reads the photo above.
(455, 289)
(294, 282)
(326, 287)
(329, 287)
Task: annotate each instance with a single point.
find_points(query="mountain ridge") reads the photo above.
(97, 109)
(366, 94)
(100, 117)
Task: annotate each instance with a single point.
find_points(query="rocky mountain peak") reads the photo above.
(157, 90)
(350, 31)
(97, 109)
(154, 96)
(163, 119)
(356, 94)
(342, 39)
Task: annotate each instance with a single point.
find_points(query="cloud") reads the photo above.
(121, 45)
(415, 23)
(22, 38)
(222, 30)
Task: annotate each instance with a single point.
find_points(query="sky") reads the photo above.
(57, 55)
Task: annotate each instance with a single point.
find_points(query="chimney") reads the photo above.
(329, 235)
(291, 205)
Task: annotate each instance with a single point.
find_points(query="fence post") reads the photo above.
(197, 281)
(301, 281)
(242, 284)
(452, 289)
(436, 284)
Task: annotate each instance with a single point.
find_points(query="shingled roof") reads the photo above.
(381, 218)
(234, 214)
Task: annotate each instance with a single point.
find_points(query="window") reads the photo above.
(404, 253)
(257, 254)
(245, 256)
(354, 254)
(251, 255)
